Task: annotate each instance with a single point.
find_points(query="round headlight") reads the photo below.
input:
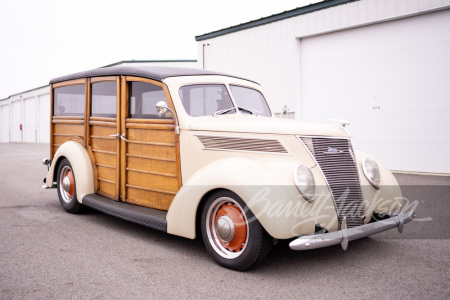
(304, 180)
(371, 171)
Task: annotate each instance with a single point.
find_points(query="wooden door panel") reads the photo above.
(152, 151)
(104, 148)
(103, 110)
(152, 181)
(152, 135)
(149, 198)
(152, 165)
(150, 173)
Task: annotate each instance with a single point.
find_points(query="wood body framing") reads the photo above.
(65, 128)
(150, 163)
(143, 167)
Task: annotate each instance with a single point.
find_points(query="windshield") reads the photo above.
(206, 99)
(213, 99)
(250, 99)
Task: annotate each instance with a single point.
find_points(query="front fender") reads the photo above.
(255, 184)
(388, 198)
(81, 164)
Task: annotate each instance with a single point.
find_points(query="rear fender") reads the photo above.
(81, 164)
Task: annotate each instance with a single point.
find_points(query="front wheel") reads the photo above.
(232, 235)
(66, 187)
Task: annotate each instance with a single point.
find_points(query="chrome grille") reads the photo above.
(242, 144)
(336, 158)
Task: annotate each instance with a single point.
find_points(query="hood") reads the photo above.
(253, 124)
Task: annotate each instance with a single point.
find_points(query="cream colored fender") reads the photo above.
(388, 197)
(81, 164)
(257, 187)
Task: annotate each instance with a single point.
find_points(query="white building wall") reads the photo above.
(31, 109)
(268, 53)
(276, 55)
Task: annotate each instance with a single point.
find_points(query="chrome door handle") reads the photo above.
(123, 137)
(114, 135)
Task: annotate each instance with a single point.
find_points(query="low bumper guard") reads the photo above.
(343, 236)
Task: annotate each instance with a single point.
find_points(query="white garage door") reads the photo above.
(4, 125)
(29, 122)
(16, 122)
(44, 119)
(392, 82)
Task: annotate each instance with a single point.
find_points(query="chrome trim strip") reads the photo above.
(308, 242)
(247, 151)
(324, 137)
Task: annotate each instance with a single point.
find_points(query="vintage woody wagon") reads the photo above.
(196, 153)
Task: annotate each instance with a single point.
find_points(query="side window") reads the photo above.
(104, 99)
(69, 100)
(143, 97)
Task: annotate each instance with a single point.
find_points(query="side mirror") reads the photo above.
(161, 107)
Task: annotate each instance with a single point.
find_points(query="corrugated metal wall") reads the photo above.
(301, 62)
(25, 117)
(268, 53)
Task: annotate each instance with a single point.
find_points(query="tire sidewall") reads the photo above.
(252, 251)
(73, 206)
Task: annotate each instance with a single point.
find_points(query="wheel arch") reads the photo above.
(237, 175)
(78, 157)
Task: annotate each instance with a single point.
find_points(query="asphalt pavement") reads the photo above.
(46, 253)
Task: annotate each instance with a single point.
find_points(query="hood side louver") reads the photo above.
(242, 144)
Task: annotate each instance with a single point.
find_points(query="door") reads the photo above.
(16, 133)
(150, 173)
(102, 138)
(5, 127)
(29, 121)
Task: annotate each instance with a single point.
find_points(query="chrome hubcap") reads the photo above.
(66, 184)
(225, 228)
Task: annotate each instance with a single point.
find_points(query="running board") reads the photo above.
(148, 217)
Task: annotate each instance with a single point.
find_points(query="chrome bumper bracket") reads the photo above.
(344, 243)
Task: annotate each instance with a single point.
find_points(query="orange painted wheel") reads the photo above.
(232, 234)
(227, 227)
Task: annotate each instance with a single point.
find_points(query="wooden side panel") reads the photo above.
(151, 164)
(64, 129)
(104, 148)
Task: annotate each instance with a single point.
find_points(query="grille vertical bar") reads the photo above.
(336, 158)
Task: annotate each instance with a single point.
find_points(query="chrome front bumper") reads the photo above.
(345, 235)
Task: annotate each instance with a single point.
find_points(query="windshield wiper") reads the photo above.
(253, 112)
(223, 111)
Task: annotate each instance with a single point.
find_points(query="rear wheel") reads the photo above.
(66, 187)
(232, 235)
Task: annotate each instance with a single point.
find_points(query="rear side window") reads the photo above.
(143, 97)
(104, 99)
(69, 100)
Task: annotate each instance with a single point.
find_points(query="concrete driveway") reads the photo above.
(46, 253)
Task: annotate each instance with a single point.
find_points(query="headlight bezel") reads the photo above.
(309, 180)
(369, 166)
